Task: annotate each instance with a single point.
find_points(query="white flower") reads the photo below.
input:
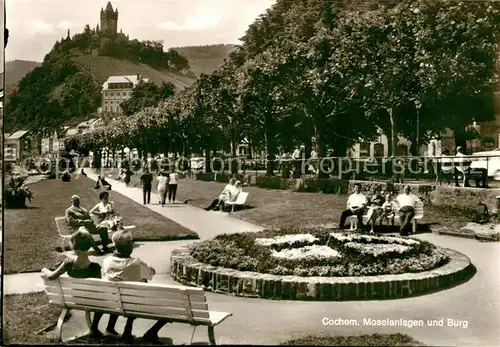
(373, 239)
(377, 249)
(393, 239)
(290, 239)
(314, 251)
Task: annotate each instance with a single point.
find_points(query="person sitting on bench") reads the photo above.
(105, 214)
(120, 266)
(77, 216)
(80, 266)
(406, 203)
(227, 195)
(356, 206)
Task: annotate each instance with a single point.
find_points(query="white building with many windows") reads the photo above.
(116, 90)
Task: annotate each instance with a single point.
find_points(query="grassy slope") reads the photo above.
(16, 70)
(31, 236)
(103, 67)
(205, 59)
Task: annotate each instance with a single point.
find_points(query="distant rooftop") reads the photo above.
(17, 135)
(134, 79)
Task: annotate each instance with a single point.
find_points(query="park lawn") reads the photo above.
(283, 208)
(355, 340)
(26, 314)
(31, 236)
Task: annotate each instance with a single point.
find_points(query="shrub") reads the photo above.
(325, 185)
(242, 252)
(16, 192)
(273, 182)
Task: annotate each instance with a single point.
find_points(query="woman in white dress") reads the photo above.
(105, 214)
(162, 187)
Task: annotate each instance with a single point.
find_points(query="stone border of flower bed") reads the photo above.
(187, 270)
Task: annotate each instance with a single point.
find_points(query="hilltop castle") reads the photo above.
(108, 27)
(109, 21)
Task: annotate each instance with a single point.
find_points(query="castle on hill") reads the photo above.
(109, 21)
(108, 24)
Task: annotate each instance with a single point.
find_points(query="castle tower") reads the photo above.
(109, 21)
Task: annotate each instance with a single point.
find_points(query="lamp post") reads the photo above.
(171, 119)
(418, 105)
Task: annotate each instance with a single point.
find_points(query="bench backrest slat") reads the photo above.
(96, 284)
(63, 227)
(169, 302)
(242, 198)
(158, 294)
(165, 311)
(49, 288)
(143, 299)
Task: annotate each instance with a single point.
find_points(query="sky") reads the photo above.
(35, 25)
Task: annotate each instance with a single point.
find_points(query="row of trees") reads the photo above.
(331, 74)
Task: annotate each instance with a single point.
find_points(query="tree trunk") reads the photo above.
(250, 150)
(271, 151)
(322, 153)
(394, 140)
(208, 167)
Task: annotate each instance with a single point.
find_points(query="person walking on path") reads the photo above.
(146, 182)
(173, 179)
(162, 187)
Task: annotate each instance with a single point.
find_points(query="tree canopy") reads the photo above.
(332, 73)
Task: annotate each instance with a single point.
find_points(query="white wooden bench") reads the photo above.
(240, 201)
(178, 304)
(65, 231)
(419, 214)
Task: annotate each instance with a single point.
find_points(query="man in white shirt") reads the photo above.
(406, 203)
(462, 167)
(313, 161)
(120, 266)
(296, 162)
(356, 204)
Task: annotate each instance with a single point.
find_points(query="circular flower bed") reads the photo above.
(319, 253)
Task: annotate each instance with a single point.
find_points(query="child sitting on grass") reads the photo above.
(388, 210)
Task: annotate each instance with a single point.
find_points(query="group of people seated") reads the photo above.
(229, 194)
(119, 266)
(381, 207)
(105, 218)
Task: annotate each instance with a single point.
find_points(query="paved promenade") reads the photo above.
(258, 321)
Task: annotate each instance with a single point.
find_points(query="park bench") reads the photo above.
(178, 304)
(240, 201)
(419, 214)
(445, 168)
(65, 231)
